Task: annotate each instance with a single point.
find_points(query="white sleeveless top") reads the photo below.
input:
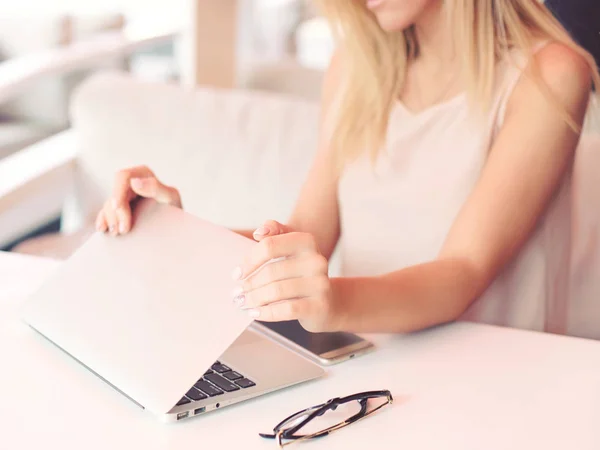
(397, 213)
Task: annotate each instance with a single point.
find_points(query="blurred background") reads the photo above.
(49, 47)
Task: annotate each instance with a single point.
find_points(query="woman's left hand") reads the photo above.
(285, 277)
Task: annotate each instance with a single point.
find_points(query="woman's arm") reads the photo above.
(316, 211)
(527, 163)
(530, 157)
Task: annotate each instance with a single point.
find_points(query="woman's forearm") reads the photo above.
(408, 300)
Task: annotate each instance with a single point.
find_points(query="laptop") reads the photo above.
(151, 313)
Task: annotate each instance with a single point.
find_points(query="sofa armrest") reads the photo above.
(34, 184)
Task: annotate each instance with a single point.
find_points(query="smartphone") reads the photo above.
(323, 348)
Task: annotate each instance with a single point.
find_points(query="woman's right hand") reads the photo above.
(115, 215)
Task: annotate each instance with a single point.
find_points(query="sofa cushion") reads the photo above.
(237, 157)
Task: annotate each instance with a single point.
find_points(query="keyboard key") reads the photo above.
(245, 383)
(220, 368)
(231, 375)
(208, 371)
(208, 388)
(183, 401)
(224, 384)
(195, 395)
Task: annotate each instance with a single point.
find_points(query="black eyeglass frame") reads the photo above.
(280, 433)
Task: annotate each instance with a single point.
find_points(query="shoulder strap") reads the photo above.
(515, 65)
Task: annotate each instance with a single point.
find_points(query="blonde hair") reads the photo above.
(375, 61)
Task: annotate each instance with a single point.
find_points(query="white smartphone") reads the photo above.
(323, 348)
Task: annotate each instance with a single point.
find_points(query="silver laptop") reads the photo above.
(151, 313)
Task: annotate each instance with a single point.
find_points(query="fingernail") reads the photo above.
(262, 231)
(122, 229)
(111, 229)
(136, 183)
(237, 273)
(239, 300)
(254, 313)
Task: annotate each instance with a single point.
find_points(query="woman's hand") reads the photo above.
(115, 215)
(285, 277)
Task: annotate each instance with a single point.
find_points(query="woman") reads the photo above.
(448, 130)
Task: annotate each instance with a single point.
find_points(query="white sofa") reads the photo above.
(238, 157)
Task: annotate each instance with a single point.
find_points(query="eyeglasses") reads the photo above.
(356, 407)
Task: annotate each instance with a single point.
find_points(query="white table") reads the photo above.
(461, 387)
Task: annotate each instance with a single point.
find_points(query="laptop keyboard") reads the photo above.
(216, 381)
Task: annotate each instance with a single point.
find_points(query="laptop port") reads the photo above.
(199, 410)
(183, 415)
